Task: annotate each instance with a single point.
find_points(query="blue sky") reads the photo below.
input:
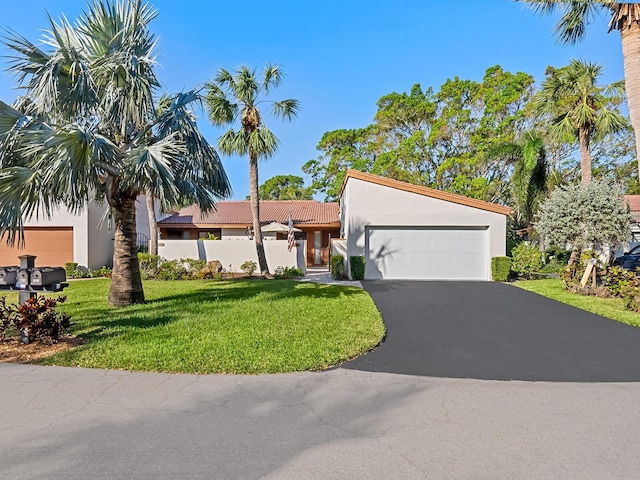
(339, 57)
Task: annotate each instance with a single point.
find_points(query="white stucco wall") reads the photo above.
(234, 234)
(100, 238)
(369, 204)
(142, 214)
(234, 254)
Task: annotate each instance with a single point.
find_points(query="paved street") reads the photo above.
(66, 423)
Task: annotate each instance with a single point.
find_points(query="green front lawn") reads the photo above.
(236, 326)
(606, 307)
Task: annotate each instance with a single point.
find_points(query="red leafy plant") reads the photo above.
(37, 318)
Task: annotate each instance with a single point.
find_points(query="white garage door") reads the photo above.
(422, 253)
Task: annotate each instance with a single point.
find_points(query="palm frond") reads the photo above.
(152, 168)
(271, 77)
(263, 142)
(286, 109)
(221, 111)
(234, 142)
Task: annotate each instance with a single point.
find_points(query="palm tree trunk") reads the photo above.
(255, 212)
(630, 36)
(585, 155)
(153, 226)
(126, 284)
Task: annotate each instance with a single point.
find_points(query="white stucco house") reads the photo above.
(68, 237)
(411, 232)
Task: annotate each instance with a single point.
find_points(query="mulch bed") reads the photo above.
(14, 351)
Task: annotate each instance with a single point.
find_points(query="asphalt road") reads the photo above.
(78, 424)
(490, 330)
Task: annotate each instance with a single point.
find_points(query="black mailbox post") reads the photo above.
(29, 281)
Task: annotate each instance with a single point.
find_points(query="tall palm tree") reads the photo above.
(237, 96)
(579, 108)
(625, 17)
(87, 129)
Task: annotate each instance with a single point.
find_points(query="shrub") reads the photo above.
(287, 272)
(70, 267)
(337, 267)
(211, 236)
(6, 316)
(526, 260)
(357, 267)
(500, 268)
(183, 269)
(557, 255)
(101, 272)
(618, 280)
(148, 265)
(249, 267)
(37, 318)
(73, 271)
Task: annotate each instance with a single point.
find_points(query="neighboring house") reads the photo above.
(68, 237)
(406, 231)
(232, 220)
(634, 206)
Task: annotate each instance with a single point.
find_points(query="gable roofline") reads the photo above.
(425, 191)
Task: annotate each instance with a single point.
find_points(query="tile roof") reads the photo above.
(426, 191)
(634, 206)
(310, 212)
(634, 202)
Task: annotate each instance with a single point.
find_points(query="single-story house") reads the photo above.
(404, 231)
(634, 206)
(232, 220)
(72, 237)
(407, 231)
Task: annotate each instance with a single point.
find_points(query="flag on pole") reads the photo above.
(291, 237)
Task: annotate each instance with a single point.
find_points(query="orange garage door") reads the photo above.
(52, 245)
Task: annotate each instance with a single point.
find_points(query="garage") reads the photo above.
(412, 232)
(426, 253)
(53, 246)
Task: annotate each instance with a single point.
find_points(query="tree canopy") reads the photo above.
(91, 126)
(284, 187)
(456, 139)
(585, 215)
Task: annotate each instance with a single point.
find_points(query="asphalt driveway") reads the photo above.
(489, 330)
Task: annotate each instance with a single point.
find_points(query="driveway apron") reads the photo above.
(489, 330)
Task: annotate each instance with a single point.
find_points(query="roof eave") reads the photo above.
(425, 191)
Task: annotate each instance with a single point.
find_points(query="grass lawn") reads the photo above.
(606, 307)
(202, 326)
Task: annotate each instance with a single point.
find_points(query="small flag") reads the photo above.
(291, 237)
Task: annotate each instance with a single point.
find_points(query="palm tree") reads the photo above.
(87, 129)
(530, 174)
(232, 96)
(579, 108)
(625, 17)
